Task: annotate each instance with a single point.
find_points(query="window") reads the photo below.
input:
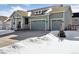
(38, 12)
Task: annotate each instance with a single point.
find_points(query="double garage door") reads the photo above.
(38, 25)
(56, 24)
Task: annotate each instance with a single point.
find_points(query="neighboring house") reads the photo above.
(19, 20)
(49, 18)
(75, 20)
(2, 23)
(8, 24)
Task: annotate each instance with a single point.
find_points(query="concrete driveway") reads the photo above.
(8, 39)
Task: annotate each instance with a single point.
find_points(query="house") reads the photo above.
(50, 18)
(8, 24)
(2, 23)
(42, 19)
(75, 20)
(19, 20)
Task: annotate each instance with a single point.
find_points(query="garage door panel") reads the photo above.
(38, 25)
(56, 25)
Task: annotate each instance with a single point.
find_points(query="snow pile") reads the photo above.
(49, 43)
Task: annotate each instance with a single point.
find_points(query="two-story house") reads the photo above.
(49, 18)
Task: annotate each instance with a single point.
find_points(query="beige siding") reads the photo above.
(56, 15)
(67, 18)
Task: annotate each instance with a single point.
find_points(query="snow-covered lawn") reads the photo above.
(48, 43)
(2, 32)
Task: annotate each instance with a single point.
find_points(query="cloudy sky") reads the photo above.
(7, 9)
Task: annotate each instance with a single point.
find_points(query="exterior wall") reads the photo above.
(56, 15)
(40, 18)
(67, 18)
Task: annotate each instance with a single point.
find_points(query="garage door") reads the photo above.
(38, 25)
(56, 24)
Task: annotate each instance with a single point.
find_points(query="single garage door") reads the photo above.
(38, 25)
(56, 24)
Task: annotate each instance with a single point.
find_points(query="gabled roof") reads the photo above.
(23, 13)
(3, 18)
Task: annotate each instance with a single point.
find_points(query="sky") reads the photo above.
(7, 9)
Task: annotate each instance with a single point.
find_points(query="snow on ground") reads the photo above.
(3, 32)
(48, 43)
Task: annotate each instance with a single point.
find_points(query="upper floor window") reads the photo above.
(39, 12)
